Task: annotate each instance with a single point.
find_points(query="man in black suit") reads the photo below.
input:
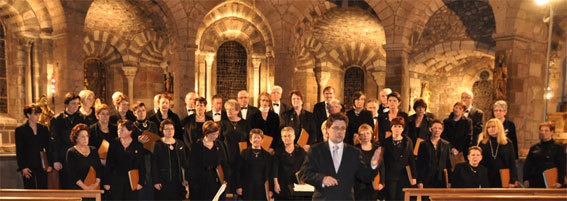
(383, 109)
(332, 167)
(153, 111)
(320, 109)
(216, 112)
(277, 105)
(189, 105)
(474, 114)
(246, 111)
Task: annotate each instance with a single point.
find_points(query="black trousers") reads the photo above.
(171, 191)
(38, 179)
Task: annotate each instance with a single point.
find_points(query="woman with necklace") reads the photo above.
(169, 165)
(32, 138)
(206, 155)
(164, 112)
(142, 123)
(287, 161)
(254, 169)
(357, 116)
(267, 120)
(497, 153)
(499, 110)
(458, 130)
(102, 129)
(433, 159)
(300, 119)
(362, 190)
(384, 121)
(398, 154)
(193, 124)
(542, 156)
(124, 155)
(87, 108)
(234, 130)
(81, 157)
(470, 174)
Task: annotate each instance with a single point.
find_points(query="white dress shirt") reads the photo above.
(217, 116)
(339, 157)
(244, 112)
(277, 107)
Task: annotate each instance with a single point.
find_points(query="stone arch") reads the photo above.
(147, 48)
(105, 46)
(22, 20)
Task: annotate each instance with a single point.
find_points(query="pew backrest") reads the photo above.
(479, 193)
(51, 193)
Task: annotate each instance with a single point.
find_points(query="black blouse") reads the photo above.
(30, 145)
(123, 159)
(495, 157)
(510, 129)
(203, 178)
(157, 119)
(287, 164)
(270, 126)
(466, 176)
(169, 165)
(96, 134)
(354, 121)
(432, 162)
(91, 118)
(384, 125)
(254, 169)
(79, 165)
(397, 157)
(421, 131)
(543, 156)
(305, 120)
(458, 133)
(60, 128)
(193, 130)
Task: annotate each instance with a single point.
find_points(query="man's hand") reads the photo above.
(157, 186)
(26, 172)
(329, 181)
(57, 166)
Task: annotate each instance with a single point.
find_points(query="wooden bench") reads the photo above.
(51, 193)
(480, 193)
(40, 199)
(463, 197)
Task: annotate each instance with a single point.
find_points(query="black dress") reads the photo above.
(121, 160)
(285, 166)
(254, 169)
(115, 117)
(354, 121)
(398, 155)
(510, 129)
(421, 131)
(364, 190)
(157, 119)
(140, 127)
(79, 165)
(193, 130)
(96, 134)
(91, 118)
(543, 156)
(232, 134)
(466, 176)
(458, 133)
(60, 128)
(432, 162)
(144, 125)
(270, 126)
(305, 120)
(29, 146)
(495, 157)
(203, 178)
(384, 125)
(169, 168)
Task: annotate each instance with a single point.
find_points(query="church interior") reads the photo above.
(498, 49)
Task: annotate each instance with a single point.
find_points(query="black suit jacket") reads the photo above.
(283, 107)
(251, 112)
(319, 163)
(320, 113)
(223, 114)
(476, 116)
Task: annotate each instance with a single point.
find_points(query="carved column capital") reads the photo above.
(130, 72)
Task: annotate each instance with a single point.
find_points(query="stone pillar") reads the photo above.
(525, 86)
(322, 78)
(304, 81)
(256, 63)
(28, 71)
(130, 73)
(397, 72)
(209, 59)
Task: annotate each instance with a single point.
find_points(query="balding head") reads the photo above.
(190, 99)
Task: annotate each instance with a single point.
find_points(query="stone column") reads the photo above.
(130, 73)
(28, 71)
(209, 59)
(322, 77)
(397, 72)
(304, 81)
(256, 63)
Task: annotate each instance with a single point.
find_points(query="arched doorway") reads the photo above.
(231, 69)
(95, 78)
(353, 82)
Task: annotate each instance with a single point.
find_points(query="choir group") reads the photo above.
(153, 153)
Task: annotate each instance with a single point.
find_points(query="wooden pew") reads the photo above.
(40, 198)
(485, 193)
(51, 193)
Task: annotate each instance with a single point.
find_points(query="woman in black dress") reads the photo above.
(32, 139)
(419, 122)
(470, 174)
(124, 155)
(169, 165)
(499, 110)
(268, 121)
(362, 190)
(544, 155)
(497, 153)
(357, 116)
(298, 118)
(234, 130)
(433, 162)
(287, 161)
(123, 113)
(458, 130)
(102, 129)
(87, 108)
(193, 124)
(398, 154)
(207, 154)
(80, 159)
(384, 125)
(254, 170)
(142, 122)
(164, 113)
